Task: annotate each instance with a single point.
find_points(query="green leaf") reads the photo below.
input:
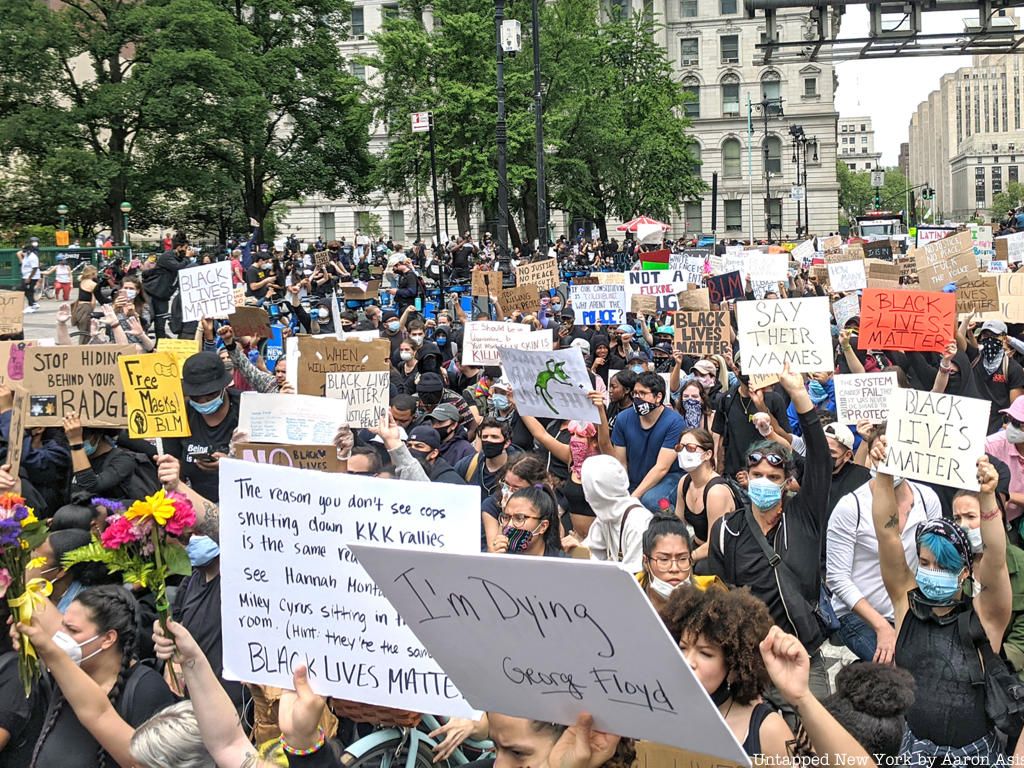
(176, 560)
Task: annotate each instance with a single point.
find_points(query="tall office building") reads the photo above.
(857, 144)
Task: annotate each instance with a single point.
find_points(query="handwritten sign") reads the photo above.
(703, 333)
(481, 339)
(610, 278)
(16, 432)
(878, 249)
(722, 288)
(642, 304)
(543, 274)
(863, 396)
(831, 246)
(936, 438)
(549, 383)
(206, 291)
(486, 283)
(152, 391)
(846, 308)
(1010, 248)
(181, 349)
(366, 393)
(775, 332)
(520, 298)
(804, 252)
(322, 458)
(663, 283)
(85, 379)
(12, 312)
(919, 321)
(766, 267)
(250, 321)
(945, 261)
(292, 593)
(290, 419)
(321, 258)
(595, 304)
(981, 295)
(613, 656)
(310, 359)
(12, 361)
(847, 275)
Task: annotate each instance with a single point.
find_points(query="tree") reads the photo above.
(856, 195)
(1007, 201)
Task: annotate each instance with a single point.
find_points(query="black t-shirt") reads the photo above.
(255, 274)
(197, 607)
(70, 745)
(557, 430)
(846, 480)
(21, 717)
(732, 421)
(1007, 376)
(204, 440)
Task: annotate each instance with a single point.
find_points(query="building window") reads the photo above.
(692, 221)
(698, 157)
(863, 139)
(689, 52)
(730, 96)
(727, 7)
(773, 211)
(773, 155)
(730, 45)
(811, 88)
(327, 226)
(731, 152)
(688, 9)
(733, 215)
(388, 12)
(396, 226)
(357, 28)
(618, 9)
(358, 71)
(863, 127)
(1012, 174)
(852, 166)
(770, 86)
(997, 180)
(691, 87)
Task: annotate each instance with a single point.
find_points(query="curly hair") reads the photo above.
(735, 621)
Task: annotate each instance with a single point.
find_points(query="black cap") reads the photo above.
(204, 374)
(429, 382)
(427, 435)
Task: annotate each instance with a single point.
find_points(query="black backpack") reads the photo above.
(1004, 691)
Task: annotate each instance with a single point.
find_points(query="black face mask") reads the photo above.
(443, 432)
(492, 450)
(421, 455)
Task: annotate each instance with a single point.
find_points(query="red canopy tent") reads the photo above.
(639, 221)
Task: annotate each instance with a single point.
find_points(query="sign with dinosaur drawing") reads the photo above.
(549, 383)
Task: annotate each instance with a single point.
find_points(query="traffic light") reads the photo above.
(878, 198)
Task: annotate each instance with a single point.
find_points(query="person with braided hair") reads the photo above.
(98, 636)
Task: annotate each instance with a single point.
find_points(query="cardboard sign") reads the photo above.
(911, 321)
(250, 321)
(846, 276)
(486, 283)
(766, 267)
(12, 312)
(181, 349)
(152, 392)
(936, 438)
(543, 274)
(520, 298)
(322, 458)
(587, 280)
(604, 648)
(610, 278)
(84, 379)
(206, 291)
(290, 419)
(368, 291)
(795, 331)
(981, 295)
(16, 432)
(641, 304)
(321, 258)
(595, 304)
(878, 249)
(1010, 248)
(651, 755)
(846, 253)
(703, 333)
(365, 392)
(481, 339)
(12, 361)
(694, 298)
(877, 270)
(722, 288)
(549, 383)
(863, 396)
(238, 294)
(762, 381)
(831, 246)
(845, 308)
(945, 261)
(292, 593)
(311, 359)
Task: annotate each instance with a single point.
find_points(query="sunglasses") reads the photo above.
(772, 458)
(691, 448)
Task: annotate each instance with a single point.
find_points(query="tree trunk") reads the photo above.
(602, 226)
(462, 210)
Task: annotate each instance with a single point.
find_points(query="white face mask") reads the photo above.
(1014, 435)
(663, 588)
(406, 356)
(974, 538)
(130, 293)
(690, 461)
(73, 649)
(897, 481)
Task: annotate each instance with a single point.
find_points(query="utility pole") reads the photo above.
(501, 129)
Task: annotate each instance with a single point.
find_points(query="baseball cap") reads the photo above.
(706, 367)
(840, 433)
(429, 382)
(581, 344)
(998, 327)
(1016, 409)
(426, 435)
(444, 412)
(636, 356)
(502, 384)
(204, 374)
(663, 346)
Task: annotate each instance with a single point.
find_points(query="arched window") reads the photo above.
(730, 96)
(731, 153)
(773, 155)
(771, 86)
(691, 86)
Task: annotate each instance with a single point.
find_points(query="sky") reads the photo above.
(866, 88)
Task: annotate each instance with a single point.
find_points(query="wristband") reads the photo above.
(321, 738)
(945, 368)
(76, 446)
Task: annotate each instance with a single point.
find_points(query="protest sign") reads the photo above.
(804, 252)
(643, 304)
(152, 392)
(238, 295)
(981, 295)
(590, 622)
(206, 291)
(481, 339)
(293, 594)
(693, 298)
(721, 288)
(936, 438)
(863, 396)
(586, 280)
(663, 283)
(311, 359)
(930, 234)
(322, 458)
(12, 361)
(1010, 248)
(945, 261)
(651, 755)
(486, 283)
(368, 291)
(595, 304)
(766, 267)
(84, 379)
(181, 349)
(12, 312)
(290, 419)
(703, 333)
(250, 321)
(880, 270)
(549, 383)
(16, 447)
(845, 308)
(831, 246)
(774, 332)
(320, 258)
(543, 274)
(609, 278)
(761, 381)
(520, 298)
(981, 238)
(878, 249)
(366, 393)
(912, 321)
(693, 266)
(997, 267)
(847, 275)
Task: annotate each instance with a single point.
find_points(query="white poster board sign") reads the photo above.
(551, 383)
(773, 332)
(847, 275)
(845, 308)
(803, 253)
(366, 394)
(863, 396)
(591, 625)
(292, 593)
(206, 291)
(936, 438)
(291, 419)
(663, 283)
(766, 267)
(595, 304)
(481, 339)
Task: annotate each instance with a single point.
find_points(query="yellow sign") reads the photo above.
(152, 391)
(62, 238)
(182, 349)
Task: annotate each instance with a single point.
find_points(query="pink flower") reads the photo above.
(184, 515)
(119, 531)
(5, 581)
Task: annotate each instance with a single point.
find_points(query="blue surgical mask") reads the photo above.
(637, 369)
(201, 550)
(556, 307)
(817, 391)
(938, 586)
(393, 325)
(500, 401)
(209, 407)
(764, 494)
(89, 448)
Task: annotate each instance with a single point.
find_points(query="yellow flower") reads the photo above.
(30, 518)
(158, 507)
(36, 562)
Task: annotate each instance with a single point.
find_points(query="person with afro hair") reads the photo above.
(719, 632)
(871, 701)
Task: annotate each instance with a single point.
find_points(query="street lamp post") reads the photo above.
(501, 130)
(797, 132)
(538, 120)
(62, 211)
(812, 143)
(126, 208)
(766, 108)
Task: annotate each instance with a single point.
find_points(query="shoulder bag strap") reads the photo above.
(770, 554)
(969, 641)
(622, 530)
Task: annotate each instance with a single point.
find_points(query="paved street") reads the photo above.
(41, 324)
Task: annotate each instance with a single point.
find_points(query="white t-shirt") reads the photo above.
(62, 274)
(29, 265)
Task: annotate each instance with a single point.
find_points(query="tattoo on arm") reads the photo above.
(212, 514)
(893, 521)
(249, 761)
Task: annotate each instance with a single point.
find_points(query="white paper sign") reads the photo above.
(767, 267)
(863, 396)
(803, 253)
(550, 383)
(594, 304)
(206, 291)
(845, 308)
(778, 331)
(552, 638)
(936, 438)
(663, 283)
(481, 339)
(847, 275)
(366, 394)
(291, 419)
(292, 593)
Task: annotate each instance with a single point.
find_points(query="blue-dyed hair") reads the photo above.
(945, 552)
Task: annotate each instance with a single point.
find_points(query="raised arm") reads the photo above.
(994, 602)
(942, 377)
(555, 447)
(896, 574)
(852, 361)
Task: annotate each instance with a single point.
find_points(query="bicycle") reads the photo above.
(407, 746)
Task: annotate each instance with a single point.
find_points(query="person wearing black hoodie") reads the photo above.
(408, 289)
(424, 443)
(161, 280)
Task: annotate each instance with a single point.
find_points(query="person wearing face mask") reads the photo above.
(529, 524)
(638, 363)
(1007, 445)
(21, 716)
(454, 445)
(822, 393)
(749, 546)
(98, 466)
(667, 565)
(942, 635)
(404, 366)
(431, 392)
(703, 496)
(425, 445)
(445, 345)
(67, 582)
(410, 286)
(997, 373)
(852, 571)
(694, 407)
(846, 475)
(212, 418)
(501, 406)
(161, 280)
(662, 357)
(484, 468)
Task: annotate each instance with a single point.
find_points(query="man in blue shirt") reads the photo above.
(644, 440)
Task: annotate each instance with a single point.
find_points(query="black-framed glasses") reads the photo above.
(772, 458)
(664, 561)
(517, 520)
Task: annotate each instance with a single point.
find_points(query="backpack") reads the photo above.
(1004, 691)
(144, 480)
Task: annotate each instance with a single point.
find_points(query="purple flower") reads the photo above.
(112, 507)
(10, 532)
(20, 512)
